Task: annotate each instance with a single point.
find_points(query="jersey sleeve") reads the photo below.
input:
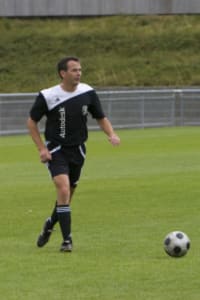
(39, 108)
(95, 108)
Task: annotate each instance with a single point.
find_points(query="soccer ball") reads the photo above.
(176, 244)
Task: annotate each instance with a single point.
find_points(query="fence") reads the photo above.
(125, 109)
(30, 8)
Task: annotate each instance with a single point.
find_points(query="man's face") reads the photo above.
(72, 75)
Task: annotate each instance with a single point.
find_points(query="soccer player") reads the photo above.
(65, 107)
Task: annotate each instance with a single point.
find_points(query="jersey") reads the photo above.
(66, 113)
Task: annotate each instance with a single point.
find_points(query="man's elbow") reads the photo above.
(30, 123)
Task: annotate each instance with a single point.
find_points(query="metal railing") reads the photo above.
(125, 109)
(16, 8)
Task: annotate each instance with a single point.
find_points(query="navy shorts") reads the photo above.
(67, 160)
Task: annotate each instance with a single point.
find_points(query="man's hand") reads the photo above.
(45, 155)
(114, 140)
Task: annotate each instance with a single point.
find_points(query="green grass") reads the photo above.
(128, 199)
(131, 51)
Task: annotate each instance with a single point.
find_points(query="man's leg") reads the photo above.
(63, 210)
(50, 223)
(54, 215)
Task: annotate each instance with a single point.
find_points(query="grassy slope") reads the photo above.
(128, 199)
(115, 51)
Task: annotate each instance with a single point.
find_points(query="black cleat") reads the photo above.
(66, 246)
(45, 234)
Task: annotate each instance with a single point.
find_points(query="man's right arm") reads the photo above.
(44, 153)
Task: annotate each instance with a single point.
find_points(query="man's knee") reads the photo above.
(64, 190)
(63, 187)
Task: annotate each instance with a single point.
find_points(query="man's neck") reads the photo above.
(68, 88)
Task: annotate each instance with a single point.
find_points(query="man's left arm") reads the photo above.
(106, 126)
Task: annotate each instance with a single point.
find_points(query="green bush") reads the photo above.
(131, 51)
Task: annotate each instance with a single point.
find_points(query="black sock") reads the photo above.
(54, 216)
(64, 218)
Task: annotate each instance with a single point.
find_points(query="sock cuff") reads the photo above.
(63, 209)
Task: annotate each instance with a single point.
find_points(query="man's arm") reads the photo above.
(106, 126)
(44, 153)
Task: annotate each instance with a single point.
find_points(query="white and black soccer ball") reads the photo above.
(176, 244)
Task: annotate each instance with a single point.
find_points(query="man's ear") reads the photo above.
(62, 73)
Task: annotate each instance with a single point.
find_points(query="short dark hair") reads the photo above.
(62, 64)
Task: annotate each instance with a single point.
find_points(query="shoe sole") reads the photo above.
(66, 249)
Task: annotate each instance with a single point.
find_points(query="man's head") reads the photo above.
(69, 70)
(63, 63)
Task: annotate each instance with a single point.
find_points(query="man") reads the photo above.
(65, 106)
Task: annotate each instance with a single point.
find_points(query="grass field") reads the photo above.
(128, 199)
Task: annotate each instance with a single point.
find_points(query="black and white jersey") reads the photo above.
(66, 113)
